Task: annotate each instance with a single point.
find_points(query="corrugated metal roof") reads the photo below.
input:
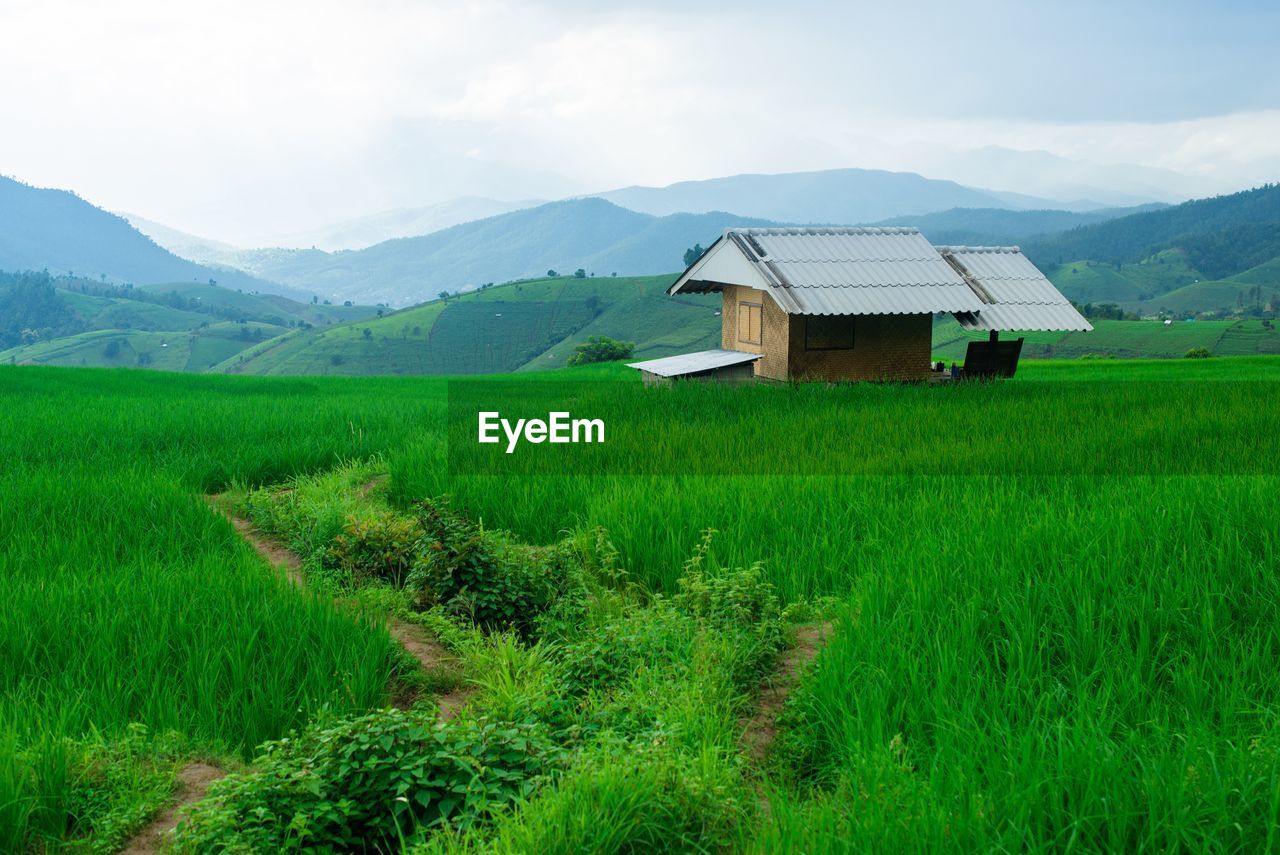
(1015, 294)
(848, 271)
(693, 363)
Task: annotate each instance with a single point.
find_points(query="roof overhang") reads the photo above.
(694, 363)
(723, 264)
(1015, 295)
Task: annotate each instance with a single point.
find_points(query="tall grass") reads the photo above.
(128, 600)
(1029, 657)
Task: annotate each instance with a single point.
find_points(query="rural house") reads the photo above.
(858, 304)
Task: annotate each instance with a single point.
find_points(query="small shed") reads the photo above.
(857, 303)
(721, 366)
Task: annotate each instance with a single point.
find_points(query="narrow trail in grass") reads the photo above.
(760, 730)
(430, 654)
(276, 554)
(193, 784)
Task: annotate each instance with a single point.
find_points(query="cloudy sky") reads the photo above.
(238, 119)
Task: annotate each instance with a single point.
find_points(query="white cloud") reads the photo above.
(243, 117)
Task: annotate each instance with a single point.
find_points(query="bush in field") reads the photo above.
(369, 782)
(1198, 353)
(473, 572)
(379, 547)
(733, 616)
(601, 348)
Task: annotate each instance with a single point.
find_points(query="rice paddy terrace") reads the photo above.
(1042, 614)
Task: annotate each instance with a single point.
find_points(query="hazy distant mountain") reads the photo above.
(1072, 181)
(834, 196)
(593, 234)
(981, 226)
(59, 231)
(361, 232)
(191, 247)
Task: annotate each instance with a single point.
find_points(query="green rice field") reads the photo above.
(1055, 600)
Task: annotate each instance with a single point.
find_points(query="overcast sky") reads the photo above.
(234, 119)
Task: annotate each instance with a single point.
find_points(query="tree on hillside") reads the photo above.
(601, 348)
(443, 295)
(551, 274)
(692, 254)
(580, 273)
(28, 301)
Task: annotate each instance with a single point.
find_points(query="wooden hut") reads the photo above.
(823, 303)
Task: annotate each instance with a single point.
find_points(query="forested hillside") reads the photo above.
(1000, 226)
(58, 231)
(1223, 235)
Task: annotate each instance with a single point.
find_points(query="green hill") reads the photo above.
(1256, 290)
(1130, 285)
(1126, 339)
(98, 312)
(1223, 235)
(178, 326)
(267, 308)
(195, 350)
(527, 325)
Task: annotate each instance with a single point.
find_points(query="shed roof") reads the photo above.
(1015, 295)
(834, 271)
(694, 363)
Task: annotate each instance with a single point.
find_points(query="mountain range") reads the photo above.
(592, 234)
(1213, 239)
(1210, 257)
(830, 196)
(58, 231)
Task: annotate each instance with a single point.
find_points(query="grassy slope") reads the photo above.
(521, 325)
(175, 339)
(196, 350)
(1134, 286)
(262, 306)
(108, 313)
(1259, 284)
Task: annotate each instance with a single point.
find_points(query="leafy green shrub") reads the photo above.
(499, 585)
(1198, 353)
(606, 655)
(741, 598)
(382, 546)
(368, 782)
